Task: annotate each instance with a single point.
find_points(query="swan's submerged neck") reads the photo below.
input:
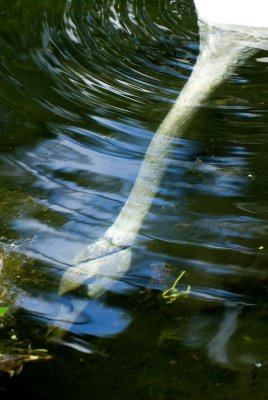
(220, 51)
(248, 36)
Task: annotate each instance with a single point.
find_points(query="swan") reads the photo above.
(230, 31)
(233, 12)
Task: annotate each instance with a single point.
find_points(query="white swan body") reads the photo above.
(225, 40)
(234, 12)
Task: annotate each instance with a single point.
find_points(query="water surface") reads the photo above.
(84, 86)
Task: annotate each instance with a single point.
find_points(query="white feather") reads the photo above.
(234, 12)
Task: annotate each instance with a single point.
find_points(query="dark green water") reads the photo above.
(83, 87)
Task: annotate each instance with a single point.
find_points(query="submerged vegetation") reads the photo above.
(173, 292)
(16, 273)
(15, 352)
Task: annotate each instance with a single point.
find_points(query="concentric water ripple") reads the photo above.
(104, 57)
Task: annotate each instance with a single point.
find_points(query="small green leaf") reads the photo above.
(3, 311)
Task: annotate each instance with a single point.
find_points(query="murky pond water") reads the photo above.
(84, 86)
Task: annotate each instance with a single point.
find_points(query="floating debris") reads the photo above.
(14, 363)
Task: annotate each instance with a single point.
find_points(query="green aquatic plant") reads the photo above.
(3, 311)
(14, 352)
(173, 292)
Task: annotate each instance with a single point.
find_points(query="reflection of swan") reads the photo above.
(222, 47)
